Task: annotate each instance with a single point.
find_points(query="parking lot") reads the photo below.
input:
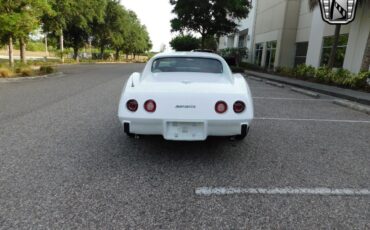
(65, 162)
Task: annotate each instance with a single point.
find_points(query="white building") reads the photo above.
(288, 33)
(244, 34)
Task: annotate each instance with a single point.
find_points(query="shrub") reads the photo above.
(323, 74)
(4, 72)
(305, 71)
(26, 72)
(359, 81)
(250, 66)
(286, 71)
(235, 69)
(341, 77)
(47, 69)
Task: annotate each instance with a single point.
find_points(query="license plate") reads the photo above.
(185, 131)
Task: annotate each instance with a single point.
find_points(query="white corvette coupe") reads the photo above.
(186, 97)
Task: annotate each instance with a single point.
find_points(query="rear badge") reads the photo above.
(185, 107)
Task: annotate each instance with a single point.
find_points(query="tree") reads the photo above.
(333, 53)
(56, 23)
(18, 19)
(185, 43)
(111, 25)
(79, 23)
(137, 38)
(208, 17)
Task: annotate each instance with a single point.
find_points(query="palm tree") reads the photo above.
(333, 53)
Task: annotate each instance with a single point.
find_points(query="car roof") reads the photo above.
(188, 54)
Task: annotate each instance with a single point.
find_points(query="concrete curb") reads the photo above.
(352, 105)
(274, 84)
(338, 94)
(18, 79)
(254, 78)
(305, 92)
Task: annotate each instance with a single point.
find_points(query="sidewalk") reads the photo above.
(353, 95)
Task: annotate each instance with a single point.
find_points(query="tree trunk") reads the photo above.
(102, 52)
(10, 51)
(61, 46)
(203, 40)
(366, 60)
(126, 56)
(75, 53)
(22, 46)
(117, 54)
(46, 46)
(333, 53)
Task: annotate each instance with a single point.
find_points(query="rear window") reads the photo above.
(187, 64)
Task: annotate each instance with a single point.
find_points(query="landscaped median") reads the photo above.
(25, 70)
(335, 77)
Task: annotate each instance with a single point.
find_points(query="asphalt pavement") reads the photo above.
(66, 163)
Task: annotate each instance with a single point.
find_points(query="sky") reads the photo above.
(156, 15)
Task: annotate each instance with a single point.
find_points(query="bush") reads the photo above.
(4, 72)
(26, 72)
(323, 74)
(47, 69)
(235, 55)
(305, 71)
(286, 71)
(250, 66)
(235, 69)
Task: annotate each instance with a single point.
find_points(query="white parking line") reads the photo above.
(314, 120)
(207, 191)
(290, 99)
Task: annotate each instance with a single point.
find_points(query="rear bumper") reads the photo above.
(209, 128)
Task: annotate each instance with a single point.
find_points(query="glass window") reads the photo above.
(242, 41)
(187, 64)
(258, 54)
(341, 51)
(301, 53)
(270, 55)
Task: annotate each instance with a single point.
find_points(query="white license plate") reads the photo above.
(185, 131)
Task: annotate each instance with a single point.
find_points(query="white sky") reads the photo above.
(156, 15)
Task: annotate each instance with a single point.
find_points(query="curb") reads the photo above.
(254, 78)
(354, 106)
(18, 79)
(274, 84)
(330, 93)
(305, 92)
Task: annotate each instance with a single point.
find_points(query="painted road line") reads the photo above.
(292, 99)
(313, 120)
(220, 191)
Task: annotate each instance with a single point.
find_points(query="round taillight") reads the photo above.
(132, 105)
(239, 107)
(150, 106)
(221, 107)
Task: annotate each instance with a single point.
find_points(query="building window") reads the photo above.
(242, 41)
(301, 53)
(270, 55)
(341, 51)
(258, 54)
